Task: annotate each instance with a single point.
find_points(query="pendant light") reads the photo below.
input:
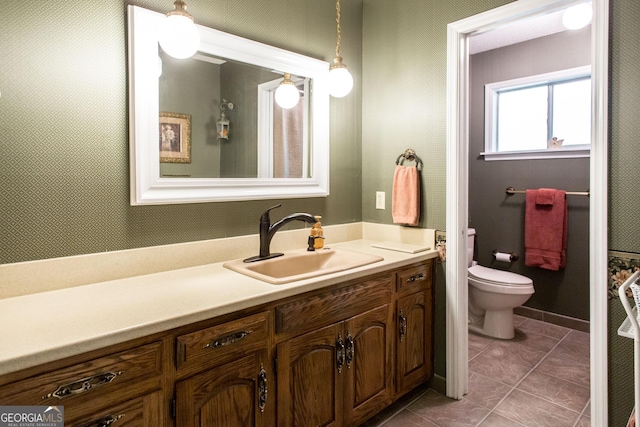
(178, 35)
(287, 94)
(340, 79)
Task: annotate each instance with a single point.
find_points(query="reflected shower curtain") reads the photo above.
(287, 141)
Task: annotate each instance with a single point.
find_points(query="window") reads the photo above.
(543, 116)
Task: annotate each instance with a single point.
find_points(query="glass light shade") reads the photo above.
(179, 36)
(287, 94)
(578, 16)
(340, 82)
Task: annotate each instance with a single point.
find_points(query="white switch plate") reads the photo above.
(380, 203)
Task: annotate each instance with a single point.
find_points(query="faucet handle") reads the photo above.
(265, 215)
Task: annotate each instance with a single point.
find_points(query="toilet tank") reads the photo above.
(471, 235)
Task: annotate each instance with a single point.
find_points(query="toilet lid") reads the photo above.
(498, 276)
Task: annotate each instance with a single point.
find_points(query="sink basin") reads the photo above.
(300, 265)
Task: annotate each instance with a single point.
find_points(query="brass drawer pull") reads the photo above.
(262, 388)
(83, 385)
(227, 340)
(105, 422)
(403, 325)
(416, 277)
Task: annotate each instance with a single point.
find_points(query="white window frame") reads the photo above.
(492, 91)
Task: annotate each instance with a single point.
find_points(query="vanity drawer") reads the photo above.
(415, 278)
(207, 347)
(142, 411)
(81, 384)
(316, 311)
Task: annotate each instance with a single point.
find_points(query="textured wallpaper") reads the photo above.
(64, 125)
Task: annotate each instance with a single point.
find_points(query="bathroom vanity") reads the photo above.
(207, 346)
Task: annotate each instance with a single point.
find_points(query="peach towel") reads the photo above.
(405, 200)
(545, 229)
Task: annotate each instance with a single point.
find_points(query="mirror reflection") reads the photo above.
(237, 130)
(207, 129)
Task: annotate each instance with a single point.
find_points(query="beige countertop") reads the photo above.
(48, 326)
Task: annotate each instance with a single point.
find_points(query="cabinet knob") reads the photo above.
(340, 354)
(262, 388)
(403, 325)
(350, 350)
(416, 278)
(227, 339)
(83, 385)
(104, 422)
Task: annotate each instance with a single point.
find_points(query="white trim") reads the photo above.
(571, 152)
(457, 191)
(147, 187)
(598, 218)
(265, 127)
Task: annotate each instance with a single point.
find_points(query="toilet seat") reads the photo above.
(499, 281)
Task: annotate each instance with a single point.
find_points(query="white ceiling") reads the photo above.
(515, 33)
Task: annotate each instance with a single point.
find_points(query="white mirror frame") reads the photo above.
(457, 369)
(147, 187)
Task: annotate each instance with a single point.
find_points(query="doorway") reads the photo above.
(457, 190)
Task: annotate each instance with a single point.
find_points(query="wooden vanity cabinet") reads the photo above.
(330, 357)
(339, 374)
(414, 314)
(228, 375)
(120, 389)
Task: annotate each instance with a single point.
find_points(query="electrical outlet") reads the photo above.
(441, 236)
(380, 203)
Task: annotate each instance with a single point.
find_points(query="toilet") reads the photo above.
(493, 294)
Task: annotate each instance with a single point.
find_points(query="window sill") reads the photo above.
(564, 153)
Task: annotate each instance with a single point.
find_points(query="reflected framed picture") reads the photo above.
(175, 138)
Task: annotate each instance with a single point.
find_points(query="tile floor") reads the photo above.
(540, 378)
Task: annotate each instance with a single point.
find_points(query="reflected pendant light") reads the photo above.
(578, 16)
(178, 34)
(340, 79)
(287, 94)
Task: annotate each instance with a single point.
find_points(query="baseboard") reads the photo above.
(439, 384)
(556, 319)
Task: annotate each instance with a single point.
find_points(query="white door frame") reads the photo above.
(458, 189)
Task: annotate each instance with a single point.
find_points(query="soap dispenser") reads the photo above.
(317, 233)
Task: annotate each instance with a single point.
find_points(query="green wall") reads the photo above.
(64, 125)
(624, 177)
(404, 98)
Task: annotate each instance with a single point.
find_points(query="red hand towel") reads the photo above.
(545, 229)
(405, 200)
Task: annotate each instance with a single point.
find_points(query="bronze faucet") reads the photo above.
(267, 231)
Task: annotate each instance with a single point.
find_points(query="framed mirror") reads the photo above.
(207, 128)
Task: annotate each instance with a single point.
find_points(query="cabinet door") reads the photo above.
(309, 381)
(414, 340)
(230, 395)
(369, 368)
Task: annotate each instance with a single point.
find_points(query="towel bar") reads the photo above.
(511, 191)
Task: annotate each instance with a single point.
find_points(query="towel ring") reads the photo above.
(410, 155)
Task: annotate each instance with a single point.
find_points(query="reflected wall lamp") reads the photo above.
(578, 16)
(178, 35)
(340, 79)
(222, 125)
(287, 94)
